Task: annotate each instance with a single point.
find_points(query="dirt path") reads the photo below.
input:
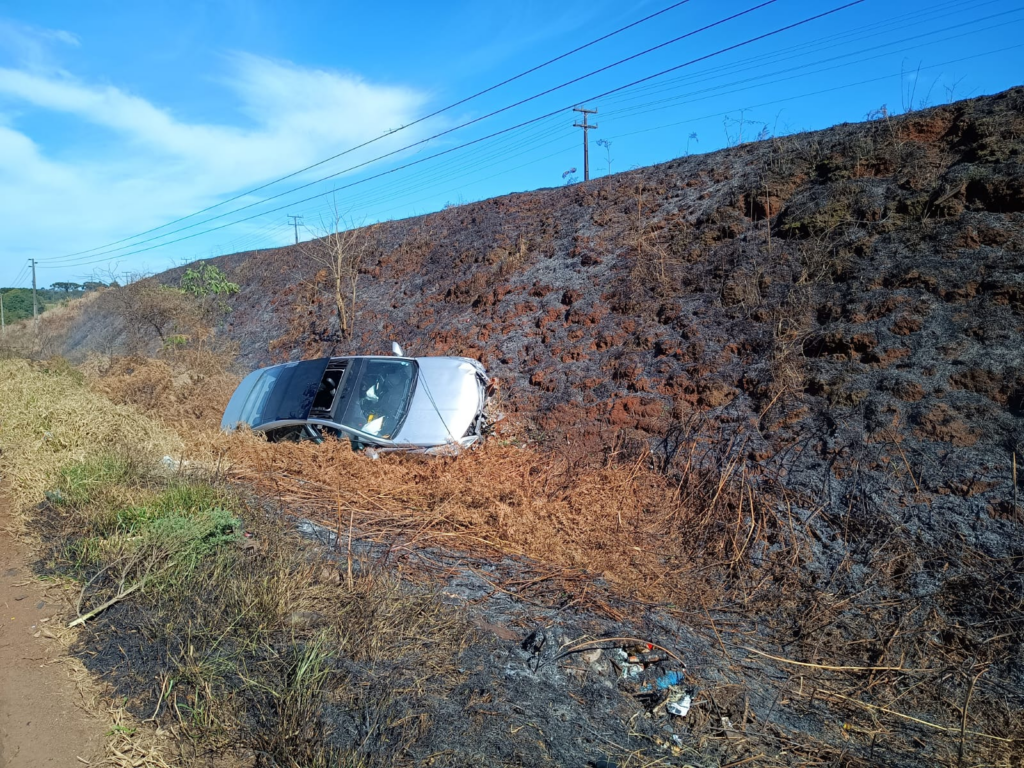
(41, 720)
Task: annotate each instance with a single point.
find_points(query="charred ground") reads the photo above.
(846, 293)
(833, 317)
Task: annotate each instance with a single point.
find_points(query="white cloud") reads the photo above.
(282, 117)
(30, 46)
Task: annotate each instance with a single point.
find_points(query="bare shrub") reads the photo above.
(150, 311)
(340, 256)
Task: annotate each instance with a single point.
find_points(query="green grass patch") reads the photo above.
(104, 483)
(253, 649)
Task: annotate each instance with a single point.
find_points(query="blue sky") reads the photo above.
(117, 118)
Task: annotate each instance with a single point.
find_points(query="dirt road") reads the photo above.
(42, 722)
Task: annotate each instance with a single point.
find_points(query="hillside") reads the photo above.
(827, 325)
(853, 294)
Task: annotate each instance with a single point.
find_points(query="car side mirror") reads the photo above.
(396, 349)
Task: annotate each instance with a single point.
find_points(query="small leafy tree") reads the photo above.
(207, 280)
(209, 285)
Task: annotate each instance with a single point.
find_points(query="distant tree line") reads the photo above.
(18, 301)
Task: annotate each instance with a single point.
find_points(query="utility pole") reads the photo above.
(35, 304)
(586, 144)
(295, 221)
(3, 323)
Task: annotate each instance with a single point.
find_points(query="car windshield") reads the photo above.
(374, 400)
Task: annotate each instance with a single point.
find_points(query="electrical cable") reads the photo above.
(716, 91)
(466, 124)
(799, 96)
(636, 108)
(647, 78)
(20, 275)
(816, 93)
(386, 134)
(828, 43)
(411, 183)
(482, 156)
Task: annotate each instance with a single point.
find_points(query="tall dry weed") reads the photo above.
(49, 419)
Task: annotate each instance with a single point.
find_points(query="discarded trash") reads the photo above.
(54, 496)
(664, 682)
(649, 657)
(675, 677)
(627, 670)
(680, 708)
(632, 670)
(677, 739)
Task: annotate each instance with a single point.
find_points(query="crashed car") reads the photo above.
(380, 402)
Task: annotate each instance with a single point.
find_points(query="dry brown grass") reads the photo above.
(675, 532)
(45, 338)
(186, 389)
(49, 419)
(640, 529)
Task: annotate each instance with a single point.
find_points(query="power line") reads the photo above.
(814, 93)
(717, 89)
(466, 124)
(415, 180)
(742, 64)
(675, 68)
(20, 275)
(745, 64)
(391, 193)
(445, 170)
(829, 43)
(386, 134)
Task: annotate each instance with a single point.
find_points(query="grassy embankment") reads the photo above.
(237, 631)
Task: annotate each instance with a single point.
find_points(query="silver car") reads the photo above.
(410, 403)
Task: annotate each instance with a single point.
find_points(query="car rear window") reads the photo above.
(284, 392)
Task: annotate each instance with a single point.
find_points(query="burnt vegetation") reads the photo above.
(766, 412)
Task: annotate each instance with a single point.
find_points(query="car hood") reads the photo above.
(447, 399)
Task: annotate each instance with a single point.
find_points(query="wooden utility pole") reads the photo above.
(586, 144)
(35, 304)
(295, 221)
(3, 323)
